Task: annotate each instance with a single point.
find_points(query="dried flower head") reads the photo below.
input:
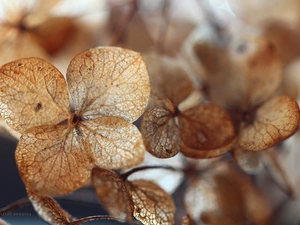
(109, 88)
(178, 122)
(245, 80)
(29, 29)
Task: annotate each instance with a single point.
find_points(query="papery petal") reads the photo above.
(109, 81)
(152, 205)
(52, 160)
(205, 127)
(160, 132)
(255, 72)
(113, 194)
(274, 121)
(32, 93)
(168, 79)
(115, 143)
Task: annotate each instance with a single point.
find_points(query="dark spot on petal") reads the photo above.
(168, 151)
(38, 107)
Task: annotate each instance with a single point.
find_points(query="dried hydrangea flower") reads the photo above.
(248, 74)
(31, 30)
(199, 131)
(109, 88)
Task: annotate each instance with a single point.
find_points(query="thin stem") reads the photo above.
(14, 206)
(163, 27)
(74, 201)
(278, 174)
(97, 217)
(211, 18)
(91, 218)
(276, 212)
(123, 23)
(127, 174)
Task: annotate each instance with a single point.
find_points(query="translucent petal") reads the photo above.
(274, 121)
(112, 192)
(152, 205)
(286, 38)
(205, 127)
(49, 210)
(109, 81)
(168, 78)
(256, 72)
(244, 74)
(14, 45)
(52, 160)
(160, 132)
(32, 93)
(199, 197)
(210, 54)
(115, 143)
(54, 33)
(250, 162)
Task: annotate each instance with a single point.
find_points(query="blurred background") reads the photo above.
(57, 30)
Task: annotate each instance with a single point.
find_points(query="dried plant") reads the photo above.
(200, 131)
(248, 74)
(30, 30)
(221, 107)
(59, 146)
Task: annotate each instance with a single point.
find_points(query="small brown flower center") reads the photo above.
(74, 119)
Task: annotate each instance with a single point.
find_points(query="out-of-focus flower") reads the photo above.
(242, 73)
